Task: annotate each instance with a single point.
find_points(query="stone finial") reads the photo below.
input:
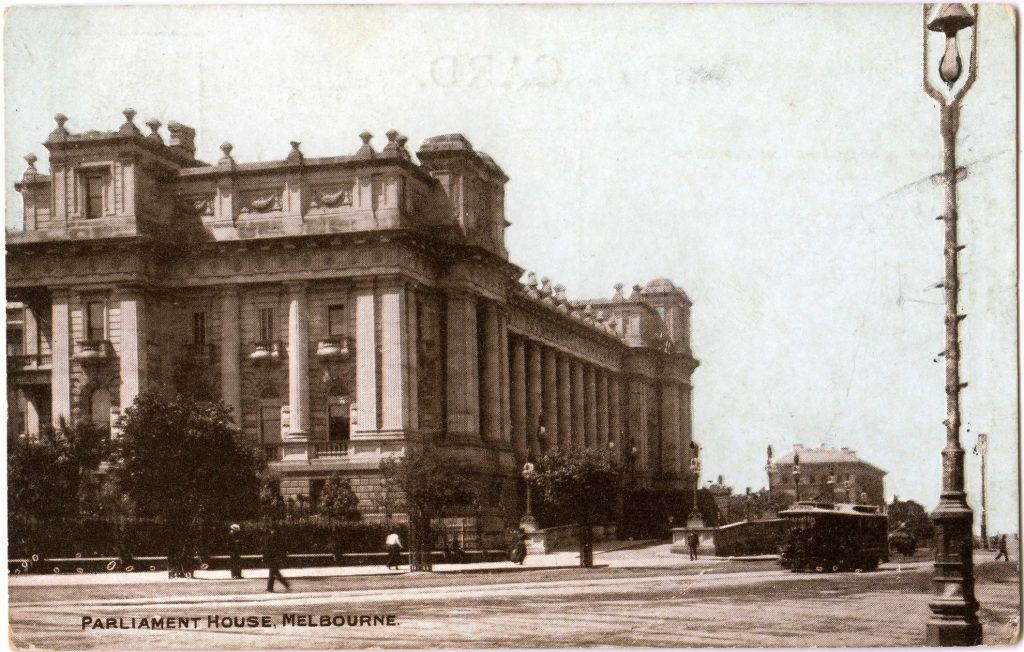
(153, 125)
(635, 295)
(617, 296)
(560, 294)
(531, 280)
(402, 151)
(391, 149)
(129, 128)
(545, 288)
(294, 156)
(366, 151)
(31, 159)
(226, 147)
(59, 132)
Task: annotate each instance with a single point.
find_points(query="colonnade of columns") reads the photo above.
(562, 400)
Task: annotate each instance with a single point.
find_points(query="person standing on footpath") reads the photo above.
(693, 542)
(394, 546)
(274, 555)
(234, 534)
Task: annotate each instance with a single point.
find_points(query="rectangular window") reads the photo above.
(266, 324)
(335, 321)
(95, 326)
(15, 341)
(337, 423)
(270, 424)
(94, 196)
(199, 327)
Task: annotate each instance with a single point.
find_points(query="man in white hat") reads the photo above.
(233, 544)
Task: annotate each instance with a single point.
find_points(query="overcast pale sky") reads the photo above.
(771, 160)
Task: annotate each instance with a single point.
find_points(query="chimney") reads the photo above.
(183, 138)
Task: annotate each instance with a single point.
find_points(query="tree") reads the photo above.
(185, 463)
(338, 504)
(910, 517)
(758, 505)
(429, 485)
(47, 475)
(582, 482)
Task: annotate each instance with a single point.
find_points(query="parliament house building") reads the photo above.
(345, 308)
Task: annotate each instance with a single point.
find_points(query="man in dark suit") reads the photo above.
(233, 549)
(274, 555)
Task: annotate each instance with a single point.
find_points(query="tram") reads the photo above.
(831, 537)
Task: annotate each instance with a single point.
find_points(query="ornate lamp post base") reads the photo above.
(528, 523)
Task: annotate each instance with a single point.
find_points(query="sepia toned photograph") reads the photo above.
(511, 326)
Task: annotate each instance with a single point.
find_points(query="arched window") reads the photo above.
(99, 407)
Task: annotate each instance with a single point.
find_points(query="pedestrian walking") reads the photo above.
(693, 542)
(275, 554)
(234, 536)
(1002, 549)
(394, 546)
(519, 550)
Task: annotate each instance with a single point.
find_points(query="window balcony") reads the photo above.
(334, 347)
(322, 449)
(28, 362)
(92, 351)
(265, 351)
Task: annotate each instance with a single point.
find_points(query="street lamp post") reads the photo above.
(528, 523)
(695, 519)
(796, 474)
(954, 608)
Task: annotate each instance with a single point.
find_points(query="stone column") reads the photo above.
(670, 430)
(534, 397)
(565, 405)
(60, 353)
(366, 363)
(551, 397)
(602, 409)
(490, 375)
(579, 410)
(412, 331)
(133, 344)
(685, 417)
(463, 374)
(590, 382)
(636, 423)
(517, 388)
(298, 364)
(504, 389)
(615, 415)
(394, 360)
(230, 353)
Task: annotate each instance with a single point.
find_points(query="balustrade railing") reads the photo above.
(29, 362)
(330, 448)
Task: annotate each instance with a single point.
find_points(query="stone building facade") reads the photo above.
(345, 308)
(828, 474)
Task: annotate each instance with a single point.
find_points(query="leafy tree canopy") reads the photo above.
(582, 481)
(181, 460)
(47, 474)
(428, 483)
(337, 500)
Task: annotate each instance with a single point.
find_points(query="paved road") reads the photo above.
(677, 605)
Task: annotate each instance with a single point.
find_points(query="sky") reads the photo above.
(773, 161)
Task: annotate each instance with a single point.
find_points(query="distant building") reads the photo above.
(830, 474)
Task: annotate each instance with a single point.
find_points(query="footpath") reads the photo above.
(615, 554)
